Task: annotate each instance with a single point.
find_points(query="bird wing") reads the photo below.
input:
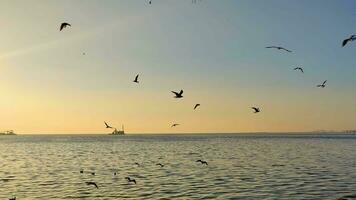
(196, 105)
(176, 93)
(62, 26)
(271, 47)
(286, 49)
(345, 42)
(325, 82)
(136, 78)
(181, 92)
(301, 69)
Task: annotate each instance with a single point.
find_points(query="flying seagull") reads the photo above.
(202, 162)
(257, 110)
(159, 164)
(299, 68)
(178, 95)
(136, 79)
(64, 25)
(322, 85)
(350, 39)
(107, 126)
(92, 183)
(196, 106)
(279, 48)
(173, 125)
(131, 180)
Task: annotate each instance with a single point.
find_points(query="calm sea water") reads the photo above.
(240, 166)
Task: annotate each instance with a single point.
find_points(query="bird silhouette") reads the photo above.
(93, 173)
(81, 171)
(202, 162)
(300, 69)
(106, 124)
(196, 106)
(350, 39)
(136, 163)
(178, 95)
(92, 183)
(279, 48)
(115, 173)
(257, 110)
(130, 180)
(159, 164)
(64, 25)
(322, 85)
(136, 79)
(173, 125)
(150, 2)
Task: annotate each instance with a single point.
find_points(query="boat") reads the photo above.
(118, 132)
(10, 132)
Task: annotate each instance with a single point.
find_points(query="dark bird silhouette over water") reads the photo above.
(64, 25)
(196, 106)
(256, 110)
(322, 85)
(279, 48)
(130, 180)
(202, 162)
(300, 69)
(93, 173)
(81, 171)
(350, 39)
(173, 125)
(92, 183)
(159, 164)
(107, 126)
(136, 79)
(178, 95)
(138, 164)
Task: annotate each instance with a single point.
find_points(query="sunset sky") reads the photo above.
(214, 50)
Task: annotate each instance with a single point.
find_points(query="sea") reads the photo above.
(240, 166)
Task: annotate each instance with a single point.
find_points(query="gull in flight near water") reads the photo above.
(257, 110)
(350, 39)
(279, 48)
(92, 183)
(64, 25)
(106, 124)
(178, 95)
(322, 85)
(300, 69)
(196, 106)
(136, 79)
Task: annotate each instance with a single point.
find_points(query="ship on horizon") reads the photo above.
(10, 132)
(118, 132)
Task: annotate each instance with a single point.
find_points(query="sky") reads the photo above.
(214, 50)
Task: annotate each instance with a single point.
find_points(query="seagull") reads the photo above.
(81, 171)
(257, 110)
(136, 79)
(322, 85)
(299, 68)
(159, 164)
(202, 162)
(138, 164)
(130, 180)
(350, 39)
(173, 125)
(279, 48)
(64, 25)
(196, 106)
(107, 126)
(178, 95)
(92, 183)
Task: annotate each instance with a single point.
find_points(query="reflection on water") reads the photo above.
(240, 166)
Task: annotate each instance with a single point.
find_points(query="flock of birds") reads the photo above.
(179, 95)
(129, 179)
